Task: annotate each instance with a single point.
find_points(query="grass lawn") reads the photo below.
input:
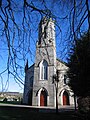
(21, 113)
(9, 113)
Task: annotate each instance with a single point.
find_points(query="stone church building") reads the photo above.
(39, 89)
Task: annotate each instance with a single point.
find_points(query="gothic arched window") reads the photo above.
(44, 70)
(65, 78)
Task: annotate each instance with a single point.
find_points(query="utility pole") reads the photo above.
(75, 102)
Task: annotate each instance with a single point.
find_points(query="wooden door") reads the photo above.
(43, 98)
(65, 98)
(30, 98)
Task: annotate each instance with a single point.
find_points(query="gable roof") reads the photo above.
(62, 62)
(31, 66)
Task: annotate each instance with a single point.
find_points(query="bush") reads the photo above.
(84, 104)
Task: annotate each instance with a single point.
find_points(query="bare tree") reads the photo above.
(19, 23)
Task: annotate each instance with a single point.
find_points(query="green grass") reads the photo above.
(17, 113)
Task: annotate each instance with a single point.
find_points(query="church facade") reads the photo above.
(40, 82)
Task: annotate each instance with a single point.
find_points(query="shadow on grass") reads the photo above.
(17, 113)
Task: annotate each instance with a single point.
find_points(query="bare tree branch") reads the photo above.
(19, 23)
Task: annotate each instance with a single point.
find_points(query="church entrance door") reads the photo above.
(65, 98)
(43, 98)
(30, 98)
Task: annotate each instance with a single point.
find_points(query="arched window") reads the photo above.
(44, 70)
(65, 78)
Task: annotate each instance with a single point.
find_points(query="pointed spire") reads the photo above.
(26, 66)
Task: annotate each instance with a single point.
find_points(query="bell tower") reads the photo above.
(45, 63)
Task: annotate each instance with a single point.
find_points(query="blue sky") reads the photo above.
(62, 44)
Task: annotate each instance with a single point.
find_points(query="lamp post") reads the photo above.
(55, 82)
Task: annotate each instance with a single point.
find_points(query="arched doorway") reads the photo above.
(43, 98)
(30, 98)
(65, 98)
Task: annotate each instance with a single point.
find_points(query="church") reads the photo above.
(41, 78)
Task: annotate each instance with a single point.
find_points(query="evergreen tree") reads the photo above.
(79, 72)
(79, 64)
